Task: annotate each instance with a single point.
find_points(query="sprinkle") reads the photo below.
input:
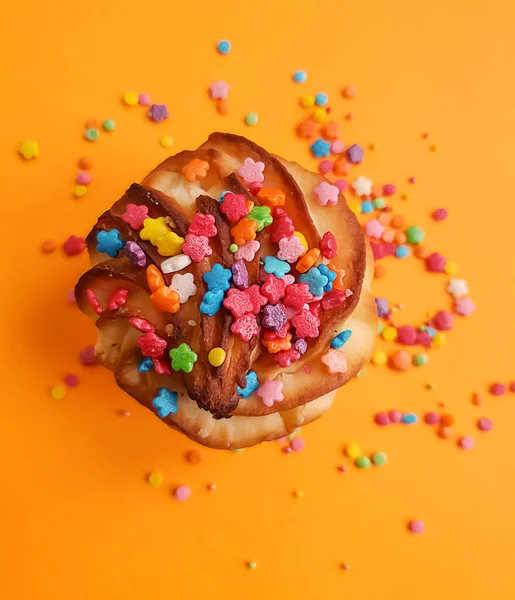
(58, 392)
(497, 389)
(326, 194)
(79, 191)
(251, 565)
(251, 171)
(443, 320)
(224, 46)
(251, 386)
(145, 365)
(362, 462)
(195, 170)
(464, 307)
(337, 147)
(196, 247)
(300, 76)
(251, 119)
(307, 101)
(395, 416)
(466, 442)
(417, 527)
(383, 308)
(83, 178)
(477, 399)
(135, 215)
(334, 361)
(342, 338)
(109, 125)
(349, 92)
(382, 419)
(219, 90)
(432, 418)
(184, 285)
(110, 242)
(379, 459)
(367, 207)
(29, 149)
(117, 298)
(183, 358)
(135, 254)
(182, 492)
(246, 327)
(419, 360)
(389, 189)
(74, 245)
(362, 186)
(166, 141)
(246, 251)
(158, 113)
(414, 235)
(353, 451)
(315, 280)
(355, 154)
(155, 479)
(457, 288)
(165, 402)
(297, 444)
(407, 335)
(435, 263)
(321, 99)
(319, 114)
(306, 325)
(212, 302)
(485, 424)
(92, 134)
(72, 380)
(374, 229)
(389, 334)
(276, 267)
(409, 418)
(131, 98)
(379, 357)
(271, 391)
(87, 356)
(440, 214)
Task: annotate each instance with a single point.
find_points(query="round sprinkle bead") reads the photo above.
(409, 418)
(362, 462)
(85, 163)
(417, 527)
(216, 357)
(307, 101)
(109, 125)
(466, 442)
(379, 459)
(92, 134)
(419, 360)
(58, 392)
(166, 141)
(440, 214)
(300, 76)
(155, 479)
(72, 380)
(321, 99)
(382, 419)
(182, 493)
(389, 334)
(48, 246)
(497, 389)
(395, 416)
(432, 418)
(485, 425)
(379, 358)
(79, 191)
(131, 98)
(224, 46)
(194, 456)
(144, 100)
(83, 178)
(251, 119)
(297, 444)
(353, 451)
(349, 92)
(252, 565)
(233, 248)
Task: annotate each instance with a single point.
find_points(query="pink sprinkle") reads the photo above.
(337, 147)
(341, 184)
(440, 214)
(443, 320)
(406, 335)
(307, 369)
(395, 416)
(87, 356)
(287, 450)
(144, 100)
(342, 468)
(464, 306)
(432, 418)
(466, 442)
(389, 189)
(412, 180)
(497, 389)
(382, 419)
(83, 178)
(416, 526)
(297, 444)
(70, 296)
(182, 492)
(435, 263)
(71, 380)
(485, 424)
(326, 166)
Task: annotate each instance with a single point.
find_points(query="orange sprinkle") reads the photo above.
(398, 222)
(222, 106)
(308, 260)
(421, 252)
(331, 130)
(385, 218)
(195, 170)
(400, 361)
(194, 456)
(444, 432)
(476, 399)
(388, 235)
(342, 167)
(377, 191)
(446, 420)
(85, 163)
(278, 344)
(400, 238)
(340, 274)
(244, 231)
(379, 271)
(307, 129)
(154, 278)
(272, 197)
(165, 299)
(49, 246)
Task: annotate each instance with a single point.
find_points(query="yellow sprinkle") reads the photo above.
(298, 493)
(451, 267)
(320, 115)
(131, 98)
(216, 357)
(166, 141)
(433, 147)
(353, 451)
(302, 239)
(389, 334)
(379, 358)
(439, 339)
(29, 149)
(155, 479)
(307, 101)
(79, 191)
(355, 207)
(58, 392)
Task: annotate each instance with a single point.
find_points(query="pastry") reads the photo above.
(231, 292)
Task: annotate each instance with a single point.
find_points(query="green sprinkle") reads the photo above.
(91, 134)
(380, 327)
(109, 125)
(233, 248)
(252, 565)
(379, 203)
(419, 360)
(421, 327)
(262, 215)
(414, 235)
(379, 459)
(362, 462)
(238, 450)
(251, 119)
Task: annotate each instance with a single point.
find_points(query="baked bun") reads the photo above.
(167, 281)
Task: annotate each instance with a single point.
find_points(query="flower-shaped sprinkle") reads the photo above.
(117, 298)
(195, 170)
(109, 242)
(219, 90)
(326, 194)
(203, 225)
(170, 244)
(271, 197)
(246, 327)
(262, 215)
(240, 274)
(234, 207)
(218, 278)
(151, 345)
(183, 358)
(251, 380)
(247, 252)
(273, 288)
(184, 285)
(165, 402)
(276, 267)
(306, 325)
(197, 247)
(212, 302)
(271, 391)
(315, 280)
(334, 361)
(297, 294)
(251, 171)
(244, 231)
(165, 300)
(274, 317)
(290, 249)
(331, 276)
(154, 229)
(134, 215)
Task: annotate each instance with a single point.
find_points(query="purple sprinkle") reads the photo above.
(87, 356)
(382, 307)
(240, 275)
(301, 345)
(355, 154)
(274, 316)
(158, 112)
(135, 254)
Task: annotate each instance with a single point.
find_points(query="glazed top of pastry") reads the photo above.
(228, 275)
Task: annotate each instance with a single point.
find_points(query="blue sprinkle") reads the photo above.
(165, 402)
(109, 242)
(409, 418)
(218, 278)
(402, 251)
(300, 76)
(251, 387)
(320, 148)
(315, 280)
(276, 267)
(221, 198)
(224, 46)
(212, 302)
(321, 99)
(331, 276)
(145, 364)
(431, 331)
(338, 341)
(367, 207)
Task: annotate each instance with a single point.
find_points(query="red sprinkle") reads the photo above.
(287, 357)
(71, 380)
(142, 325)
(328, 245)
(203, 225)
(382, 419)
(333, 299)
(432, 418)
(406, 335)
(196, 247)
(440, 214)
(273, 288)
(93, 300)
(281, 227)
(297, 294)
(117, 298)
(74, 245)
(395, 416)
(435, 263)
(389, 189)
(306, 325)
(512, 386)
(246, 327)
(485, 425)
(162, 366)
(443, 320)
(234, 207)
(134, 215)
(87, 356)
(151, 345)
(307, 369)
(497, 389)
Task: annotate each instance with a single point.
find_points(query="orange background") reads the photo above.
(78, 518)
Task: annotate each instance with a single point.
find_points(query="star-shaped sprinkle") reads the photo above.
(334, 361)
(315, 280)
(158, 113)
(271, 391)
(251, 171)
(273, 288)
(247, 251)
(219, 89)
(153, 230)
(238, 302)
(251, 380)
(374, 229)
(320, 148)
(218, 278)
(109, 242)
(184, 285)
(29, 149)
(306, 324)
(271, 197)
(307, 129)
(325, 194)
(285, 358)
(212, 302)
(203, 225)
(355, 154)
(457, 288)
(165, 402)
(165, 300)
(297, 294)
(195, 170)
(170, 244)
(246, 327)
(290, 249)
(135, 215)
(362, 186)
(183, 358)
(464, 306)
(261, 214)
(276, 267)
